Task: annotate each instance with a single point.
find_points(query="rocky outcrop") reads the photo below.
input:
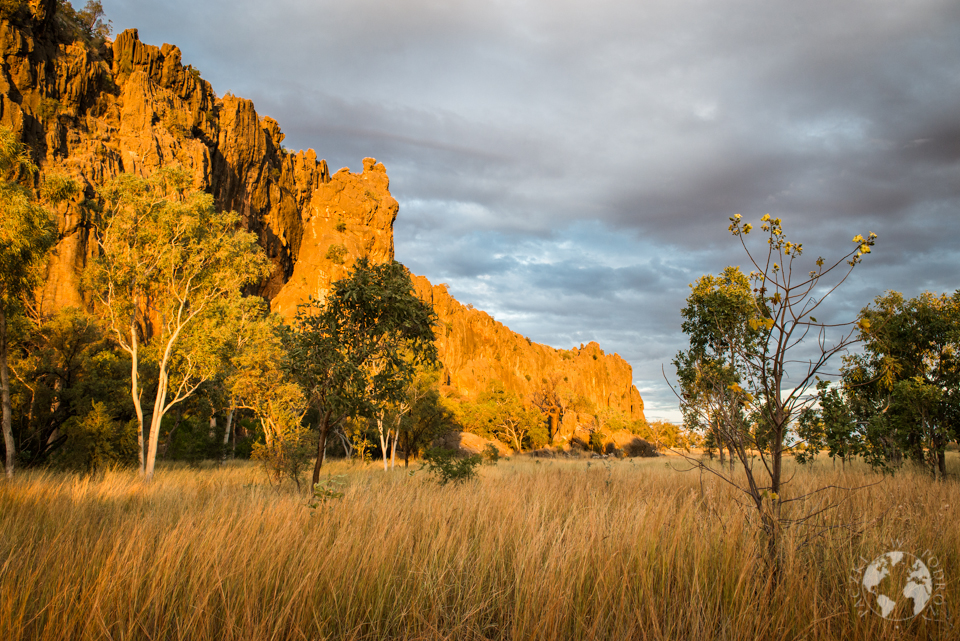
(349, 217)
(132, 107)
(95, 110)
(475, 350)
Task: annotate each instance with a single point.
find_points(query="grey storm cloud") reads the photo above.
(570, 166)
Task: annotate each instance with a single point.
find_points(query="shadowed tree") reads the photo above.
(27, 232)
(427, 417)
(357, 350)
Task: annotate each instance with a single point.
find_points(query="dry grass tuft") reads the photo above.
(533, 550)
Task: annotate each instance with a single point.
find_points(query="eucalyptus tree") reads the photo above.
(427, 417)
(169, 277)
(356, 351)
(830, 426)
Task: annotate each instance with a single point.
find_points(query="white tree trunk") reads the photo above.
(7, 406)
(155, 421)
(383, 442)
(347, 447)
(226, 433)
(135, 391)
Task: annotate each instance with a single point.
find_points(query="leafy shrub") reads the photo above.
(490, 454)
(538, 436)
(189, 440)
(448, 467)
(640, 447)
(336, 253)
(97, 441)
(287, 455)
(596, 442)
(329, 490)
(57, 188)
(86, 24)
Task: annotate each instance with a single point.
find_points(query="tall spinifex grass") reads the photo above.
(552, 550)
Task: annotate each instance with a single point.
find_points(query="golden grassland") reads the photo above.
(556, 549)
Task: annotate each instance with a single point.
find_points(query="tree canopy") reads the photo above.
(905, 387)
(357, 350)
(169, 276)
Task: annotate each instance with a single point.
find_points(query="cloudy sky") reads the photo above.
(570, 167)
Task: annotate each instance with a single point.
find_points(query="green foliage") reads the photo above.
(717, 320)
(330, 489)
(57, 188)
(537, 435)
(340, 226)
(49, 108)
(582, 405)
(905, 388)
(596, 442)
(500, 414)
(491, 454)
(27, 233)
(449, 467)
(86, 24)
(667, 434)
(64, 363)
(287, 457)
(355, 353)
(185, 438)
(741, 377)
(427, 418)
(97, 441)
(257, 376)
(336, 253)
(829, 426)
(169, 279)
(640, 447)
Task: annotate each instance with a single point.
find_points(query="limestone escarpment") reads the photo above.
(133, 107)
(475, 349)
(94, 112)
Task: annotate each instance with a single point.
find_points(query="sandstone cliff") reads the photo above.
(93, 111)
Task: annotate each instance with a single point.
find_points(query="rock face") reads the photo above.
(132, 107)
(475, 350)
(93, 112)
(348, 217)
